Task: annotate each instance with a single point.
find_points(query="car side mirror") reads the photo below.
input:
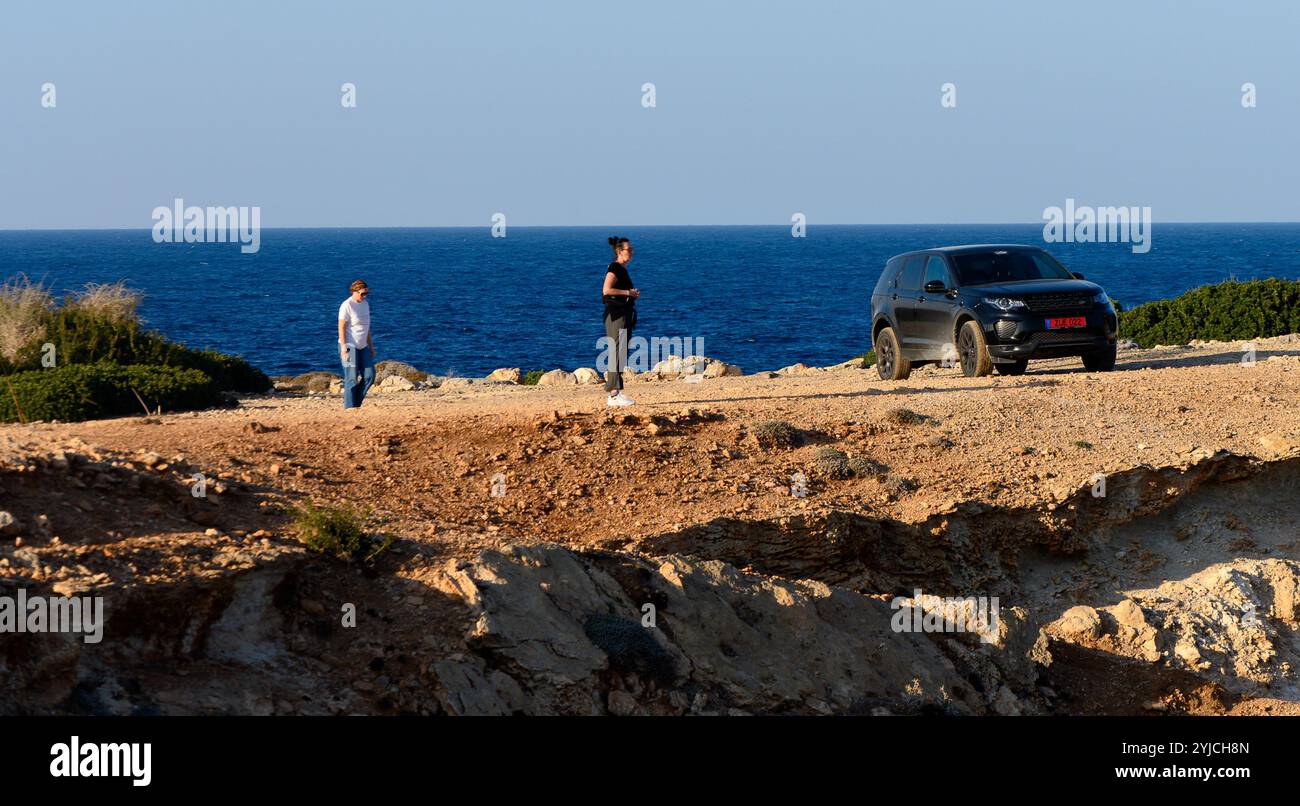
(1077, 276)
(935, 287)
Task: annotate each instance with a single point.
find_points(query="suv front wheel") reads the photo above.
(1101, 361)
(890, 362)
(973, 351)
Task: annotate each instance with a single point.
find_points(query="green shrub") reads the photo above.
(1229, 311)
(831, 463)
(901, 416)
(86, 336)
(864, 467)
(97, 325)
(88, 391)
(338, 532)
(24, 308)
(533, 377)
(775, 434)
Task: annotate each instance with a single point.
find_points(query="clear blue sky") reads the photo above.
(533, 109)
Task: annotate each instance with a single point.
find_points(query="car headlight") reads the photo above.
(1004, 303)
(1102, 299)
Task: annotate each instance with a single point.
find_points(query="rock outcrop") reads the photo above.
(558, 632)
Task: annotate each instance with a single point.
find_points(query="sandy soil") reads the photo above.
(577, 472)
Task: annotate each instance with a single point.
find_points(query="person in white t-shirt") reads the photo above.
(356, 345)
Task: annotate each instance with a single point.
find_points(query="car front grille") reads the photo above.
(1045, 303)
(1006, 329)
(1054, 337)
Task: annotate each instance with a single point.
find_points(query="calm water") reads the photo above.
(459, 301)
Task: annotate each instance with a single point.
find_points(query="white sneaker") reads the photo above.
(619, 399)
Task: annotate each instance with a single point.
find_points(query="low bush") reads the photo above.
(86, 336)
(88, 391)
(775, 434)
(831, 463)
(98, 325)
(338, 532)
(1230, 311)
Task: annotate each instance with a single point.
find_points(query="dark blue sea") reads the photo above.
(458, 301)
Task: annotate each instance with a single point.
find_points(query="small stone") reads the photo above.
(621, 703)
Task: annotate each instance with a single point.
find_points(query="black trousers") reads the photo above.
(619, 329)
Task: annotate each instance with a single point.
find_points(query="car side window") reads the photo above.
(888, 277)
(910, 279)
(936, 269)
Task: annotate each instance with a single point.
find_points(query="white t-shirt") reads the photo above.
(357, 315)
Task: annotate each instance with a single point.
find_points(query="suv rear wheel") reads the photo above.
(889, 358)
(973, 351)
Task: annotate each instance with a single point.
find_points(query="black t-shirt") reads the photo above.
(623, 282)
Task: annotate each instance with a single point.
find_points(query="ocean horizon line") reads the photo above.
(406, 228)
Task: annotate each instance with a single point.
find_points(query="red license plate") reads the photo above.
(1068, 321)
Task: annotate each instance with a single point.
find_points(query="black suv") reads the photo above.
(987, 307)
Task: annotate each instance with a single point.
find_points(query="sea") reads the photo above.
(458, 301)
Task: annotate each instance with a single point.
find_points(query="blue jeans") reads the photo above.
(358, 375)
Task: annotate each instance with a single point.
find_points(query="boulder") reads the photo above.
(587, 375)
(557, 377)
(799, 369)
(387, 369)
(679, 367)
(506, 375)
(393, 383)
(310, 382)
(717, 369)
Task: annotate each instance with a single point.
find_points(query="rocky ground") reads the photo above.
(731, 544)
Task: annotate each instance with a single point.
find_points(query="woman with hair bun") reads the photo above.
(620, 317)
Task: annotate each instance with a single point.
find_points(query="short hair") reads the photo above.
(358, 285)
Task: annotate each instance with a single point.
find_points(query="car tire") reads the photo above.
(890, 363)
(1100, 361)
(1011, 367)
(973, 351)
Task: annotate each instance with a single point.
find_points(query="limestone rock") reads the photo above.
(388, 369)
(557, 377)
(691, 365)
(506, 374)
(393, 383)
(587, 375)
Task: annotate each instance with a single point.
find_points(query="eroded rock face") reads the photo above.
(1234, 624)
(571, 633)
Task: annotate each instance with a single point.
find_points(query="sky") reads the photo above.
(535, 110)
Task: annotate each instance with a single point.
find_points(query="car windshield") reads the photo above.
(1007, 265)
